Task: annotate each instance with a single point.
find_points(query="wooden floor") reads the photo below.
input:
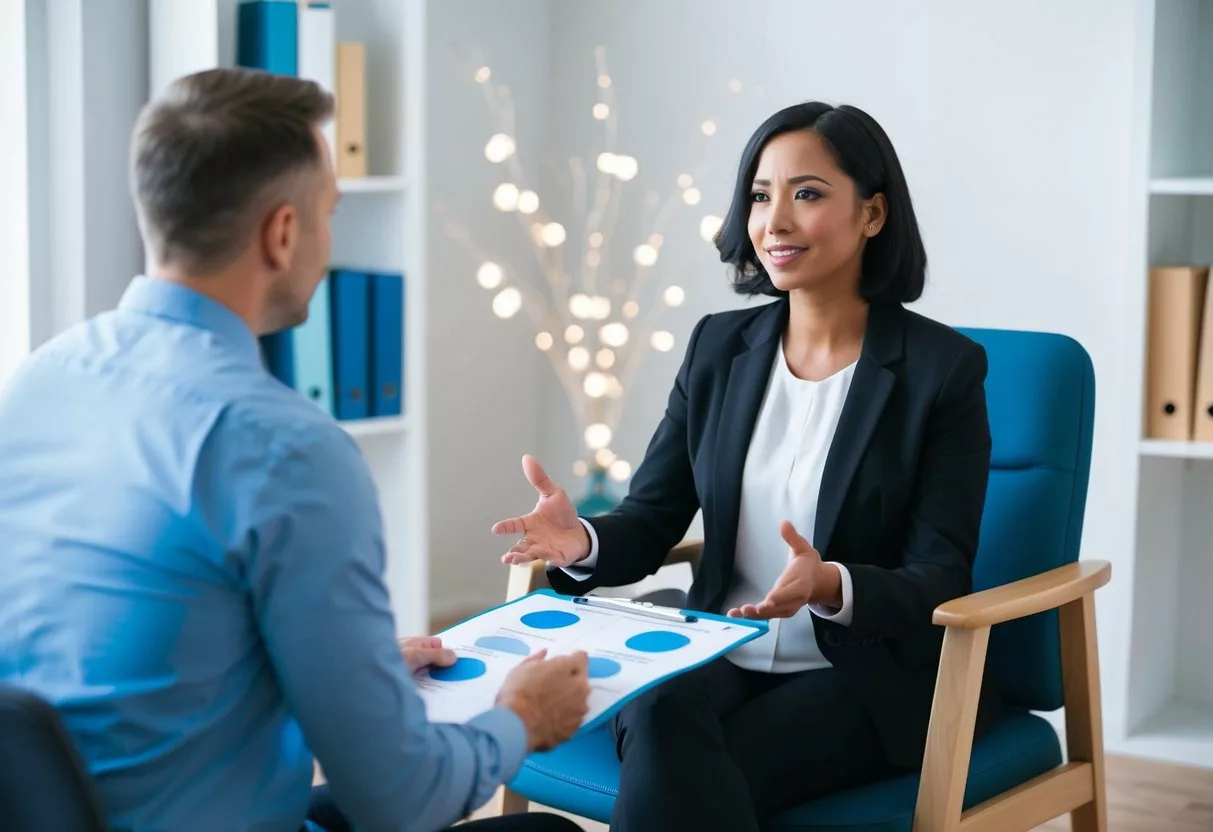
(1143, 796)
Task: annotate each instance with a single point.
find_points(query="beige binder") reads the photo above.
(351, 109)
(1202, 430)
(1176, 300)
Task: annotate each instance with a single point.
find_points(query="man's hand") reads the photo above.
(805, 580)
(425, 651)
(550, 696)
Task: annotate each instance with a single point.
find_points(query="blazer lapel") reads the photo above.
(870, 389)
(748, 377)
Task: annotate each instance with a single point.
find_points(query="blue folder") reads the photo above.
(267, 36)
(312, 353)
(514, 643)
(350, 311)
(277, 354)
(387, 344)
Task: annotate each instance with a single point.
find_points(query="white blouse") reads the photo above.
(781, 480)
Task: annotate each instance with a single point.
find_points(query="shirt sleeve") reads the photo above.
(584, 568)
(316, 579)
(843, 615)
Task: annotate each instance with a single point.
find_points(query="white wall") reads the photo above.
(14, 219)
(1013, 122)
(482, 409)
(87, 80)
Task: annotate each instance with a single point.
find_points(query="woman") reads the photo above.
(839, 447)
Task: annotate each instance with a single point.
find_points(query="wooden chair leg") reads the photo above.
(945, 768)
(509, 802)
(1084, 719)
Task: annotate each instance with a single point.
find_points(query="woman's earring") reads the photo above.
(871, 227)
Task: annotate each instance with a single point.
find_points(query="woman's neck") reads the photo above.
(825, 332)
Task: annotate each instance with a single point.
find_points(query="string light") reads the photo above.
(599, 297)
(579, 358)
(499, 148)
(553, 234)
(614, 335)
(489, 275)
(528, 202)
(598, 436)
(595, 385)
(505, 197)
(620, 470)
(507, 302)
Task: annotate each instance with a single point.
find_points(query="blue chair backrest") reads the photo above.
(1040, 393)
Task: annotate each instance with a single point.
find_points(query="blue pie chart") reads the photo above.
(549, 619)
(504, 644)
(657, 641)
(462, 670)
(601, 668)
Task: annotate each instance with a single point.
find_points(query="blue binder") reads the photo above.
(268, 36)
(278, 356)
(350, 309)
(312, 353)
(387, 344)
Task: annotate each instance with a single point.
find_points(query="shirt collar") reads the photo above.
(166, 299)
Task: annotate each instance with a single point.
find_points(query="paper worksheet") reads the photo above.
(629, 651)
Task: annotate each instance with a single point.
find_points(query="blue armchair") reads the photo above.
(1030, 623)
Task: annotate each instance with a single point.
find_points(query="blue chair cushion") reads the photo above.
(582, 777)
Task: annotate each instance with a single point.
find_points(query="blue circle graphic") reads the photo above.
(462, 670)
(601, 668)
(549, 619)
(504, 644)
(658, 641)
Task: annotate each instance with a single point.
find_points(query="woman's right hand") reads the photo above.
(552, 532)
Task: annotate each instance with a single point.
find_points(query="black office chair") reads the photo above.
(43, 782)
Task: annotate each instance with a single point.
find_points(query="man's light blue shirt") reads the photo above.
(191, 570)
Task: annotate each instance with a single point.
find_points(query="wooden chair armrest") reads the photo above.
(688, 551)
(531, 576)
(1029, 596)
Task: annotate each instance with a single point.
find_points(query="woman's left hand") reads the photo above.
(425, 651)
(796, 587)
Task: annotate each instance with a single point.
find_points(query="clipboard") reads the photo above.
(633, 646)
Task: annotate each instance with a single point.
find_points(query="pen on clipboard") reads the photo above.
(644, 608)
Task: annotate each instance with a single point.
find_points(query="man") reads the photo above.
(191, 552)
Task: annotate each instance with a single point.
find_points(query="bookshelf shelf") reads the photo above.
(381, 426)
(1176, 450)
(372, 185)
(1183, 186)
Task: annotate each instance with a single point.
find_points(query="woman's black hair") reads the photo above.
(894, 261)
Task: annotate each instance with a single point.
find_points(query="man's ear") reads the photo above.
(280, 236)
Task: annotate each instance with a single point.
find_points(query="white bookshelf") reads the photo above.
(1169, 695)
(379, 225)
